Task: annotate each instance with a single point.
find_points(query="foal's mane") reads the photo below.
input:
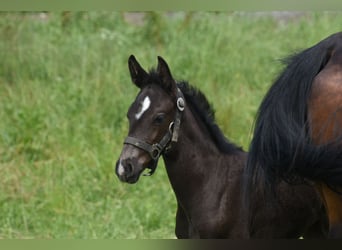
(199, 104)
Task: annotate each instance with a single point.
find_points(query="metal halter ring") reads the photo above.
(180, 104)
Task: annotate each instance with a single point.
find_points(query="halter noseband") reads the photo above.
(156, 149)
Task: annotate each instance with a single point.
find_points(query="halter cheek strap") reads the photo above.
(155, 150)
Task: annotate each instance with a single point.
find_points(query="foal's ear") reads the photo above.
(138, 74)
(165, 74)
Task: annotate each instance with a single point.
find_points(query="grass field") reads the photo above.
(65, 90)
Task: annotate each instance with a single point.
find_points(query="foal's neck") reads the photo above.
(195, 157)
(194, 142)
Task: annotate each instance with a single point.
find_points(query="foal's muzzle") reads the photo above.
(132, 163)
(124, 170)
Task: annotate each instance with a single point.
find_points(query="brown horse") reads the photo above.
(175, 121)
(298, 130)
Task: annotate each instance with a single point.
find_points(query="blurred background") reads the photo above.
(65, 90)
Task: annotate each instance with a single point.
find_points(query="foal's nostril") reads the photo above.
(129, 167)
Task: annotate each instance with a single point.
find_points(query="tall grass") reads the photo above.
(65, 90)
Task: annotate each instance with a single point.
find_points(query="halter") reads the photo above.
(156, 149)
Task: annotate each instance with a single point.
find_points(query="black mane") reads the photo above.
(204, 110)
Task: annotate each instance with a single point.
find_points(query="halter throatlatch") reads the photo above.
(157, 149)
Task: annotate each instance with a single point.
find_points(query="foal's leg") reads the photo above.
(182, 224)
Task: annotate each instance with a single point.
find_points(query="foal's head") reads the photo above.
(153, 117)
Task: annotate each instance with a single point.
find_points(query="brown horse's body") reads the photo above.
(325, 119)
(298, 131)
(176, 122)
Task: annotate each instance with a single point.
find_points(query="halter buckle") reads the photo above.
(155, 151)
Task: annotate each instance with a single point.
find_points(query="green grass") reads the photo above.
(65, 90)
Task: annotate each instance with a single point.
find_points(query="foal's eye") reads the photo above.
(159, 118)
